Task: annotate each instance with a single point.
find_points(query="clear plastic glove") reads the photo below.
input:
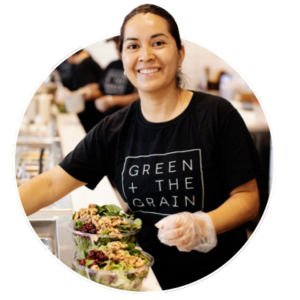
(188, 231)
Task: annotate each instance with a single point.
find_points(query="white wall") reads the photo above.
(103, 52)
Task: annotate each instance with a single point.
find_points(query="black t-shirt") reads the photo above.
(65, 73)
(114, 82)
(86, 72)
(190, 163)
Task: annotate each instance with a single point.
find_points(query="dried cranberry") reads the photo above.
(103, 258)
(81, 261)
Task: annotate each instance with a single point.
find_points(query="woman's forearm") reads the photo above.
(124, 100)
(91, 91)
(93, 94)
(36, 194)
(241, 207)
(46, 189)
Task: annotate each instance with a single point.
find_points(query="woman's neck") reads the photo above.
(163, 107)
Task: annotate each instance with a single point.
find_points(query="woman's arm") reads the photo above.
(46, 189)
(124, 100)
(106, 102)
(91, 91)
(241, 207)
(197, 231)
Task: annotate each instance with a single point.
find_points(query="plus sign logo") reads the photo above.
(163, 182)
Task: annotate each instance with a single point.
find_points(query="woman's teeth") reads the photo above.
(148, 71)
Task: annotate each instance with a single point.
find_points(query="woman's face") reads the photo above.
(150, 55)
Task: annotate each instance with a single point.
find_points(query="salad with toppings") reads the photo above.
(115, 264)
(96, 230)
(110, 210)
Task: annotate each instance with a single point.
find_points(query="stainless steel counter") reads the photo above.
(51, 223)
(54, 233)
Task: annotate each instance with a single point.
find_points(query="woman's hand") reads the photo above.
(90, 91)
(104, 103)
(61, 93)
(188, 231)
(198, 231)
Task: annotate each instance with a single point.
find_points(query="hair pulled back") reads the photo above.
(159, 11)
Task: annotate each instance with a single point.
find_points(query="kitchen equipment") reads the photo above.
(31, 110)
(44, 104)
(41, 161)
(46, 229)
(74, 103)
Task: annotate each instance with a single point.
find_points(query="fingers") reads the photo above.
(171, 234)
(160, 224)
(183, 243)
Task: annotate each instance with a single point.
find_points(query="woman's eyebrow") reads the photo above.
(152, 36)
(130, 39)
(158, 34)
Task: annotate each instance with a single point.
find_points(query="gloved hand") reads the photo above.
(188, 231)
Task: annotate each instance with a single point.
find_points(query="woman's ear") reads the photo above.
(181, 56)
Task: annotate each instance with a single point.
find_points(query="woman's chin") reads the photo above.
(152, 88)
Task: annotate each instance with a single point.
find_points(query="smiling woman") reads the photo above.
(152, 59)
(184, 161)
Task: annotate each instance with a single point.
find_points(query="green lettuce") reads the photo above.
(111, 210)
(88, 262)
(78, 224)
(130, 226)
(83, 243)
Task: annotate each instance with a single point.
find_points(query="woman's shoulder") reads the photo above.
(213, 103)
(120, 118)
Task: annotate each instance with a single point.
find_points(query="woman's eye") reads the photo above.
(132, 47)
(158, 43)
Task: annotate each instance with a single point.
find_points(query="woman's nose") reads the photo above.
(146, 54)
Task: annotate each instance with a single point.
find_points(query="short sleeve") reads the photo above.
(87, 162)
(239, 158)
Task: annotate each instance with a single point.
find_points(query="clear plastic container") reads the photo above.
(124, 280)
(74, 103)
(87, 241)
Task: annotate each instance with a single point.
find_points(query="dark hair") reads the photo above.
(156, 10)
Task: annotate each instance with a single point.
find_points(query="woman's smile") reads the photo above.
(149, 71)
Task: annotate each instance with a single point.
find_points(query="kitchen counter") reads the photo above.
(58, 214)
(65, 245)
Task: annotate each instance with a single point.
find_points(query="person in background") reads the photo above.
(114, 91)
(65, 74)
(86, 74)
